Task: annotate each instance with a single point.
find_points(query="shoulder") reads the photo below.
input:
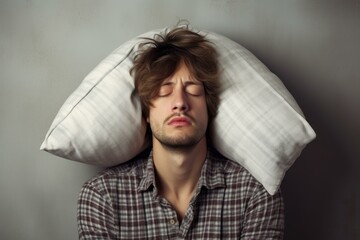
(120, 175)
(241, 185)
(235, 175)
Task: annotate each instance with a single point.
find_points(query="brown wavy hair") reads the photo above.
(159, 58)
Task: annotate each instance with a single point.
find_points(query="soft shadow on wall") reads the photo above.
(321, 190)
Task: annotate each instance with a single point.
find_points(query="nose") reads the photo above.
(180, 101)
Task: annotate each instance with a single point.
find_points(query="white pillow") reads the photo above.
(258, 124)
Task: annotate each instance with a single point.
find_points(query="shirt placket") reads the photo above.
(170, 219)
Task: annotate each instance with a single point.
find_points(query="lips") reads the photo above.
(179, 121)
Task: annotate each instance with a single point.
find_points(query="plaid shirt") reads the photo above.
(123, 203)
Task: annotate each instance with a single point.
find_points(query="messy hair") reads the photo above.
(160, 57)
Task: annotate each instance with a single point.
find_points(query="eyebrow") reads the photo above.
(186, 82)
(193, 82)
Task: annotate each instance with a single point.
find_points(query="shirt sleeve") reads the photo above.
(95, 215)
(264, 217)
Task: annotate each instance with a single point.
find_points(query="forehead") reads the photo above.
(183, 74)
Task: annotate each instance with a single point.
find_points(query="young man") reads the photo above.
(181, 188)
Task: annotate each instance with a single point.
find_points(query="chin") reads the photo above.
(180, 141)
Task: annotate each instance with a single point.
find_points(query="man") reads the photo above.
(181, 188)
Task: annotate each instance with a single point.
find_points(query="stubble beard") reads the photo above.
(179, 141)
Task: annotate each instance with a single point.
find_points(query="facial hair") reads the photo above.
(182, 140)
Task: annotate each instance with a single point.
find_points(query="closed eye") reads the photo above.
(194, 89)
(165, 89)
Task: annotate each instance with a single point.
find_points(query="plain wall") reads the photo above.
(47, 48)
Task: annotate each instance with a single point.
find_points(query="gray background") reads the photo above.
(47, 47)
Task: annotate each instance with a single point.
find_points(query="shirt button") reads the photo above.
(172, 221)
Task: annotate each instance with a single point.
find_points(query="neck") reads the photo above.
(177, 167)
(178, 170)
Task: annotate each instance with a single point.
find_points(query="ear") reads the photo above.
(147, 119)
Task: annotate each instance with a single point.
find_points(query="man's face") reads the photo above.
(178, 116)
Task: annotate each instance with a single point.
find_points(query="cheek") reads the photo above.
(159, 108)
(156, 113)
(203, 112)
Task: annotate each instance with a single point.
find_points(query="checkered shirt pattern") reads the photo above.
(123, 203)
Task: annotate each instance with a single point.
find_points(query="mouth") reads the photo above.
(179, 122)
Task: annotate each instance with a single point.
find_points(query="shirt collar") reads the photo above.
(148, 178)
(212, 174)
